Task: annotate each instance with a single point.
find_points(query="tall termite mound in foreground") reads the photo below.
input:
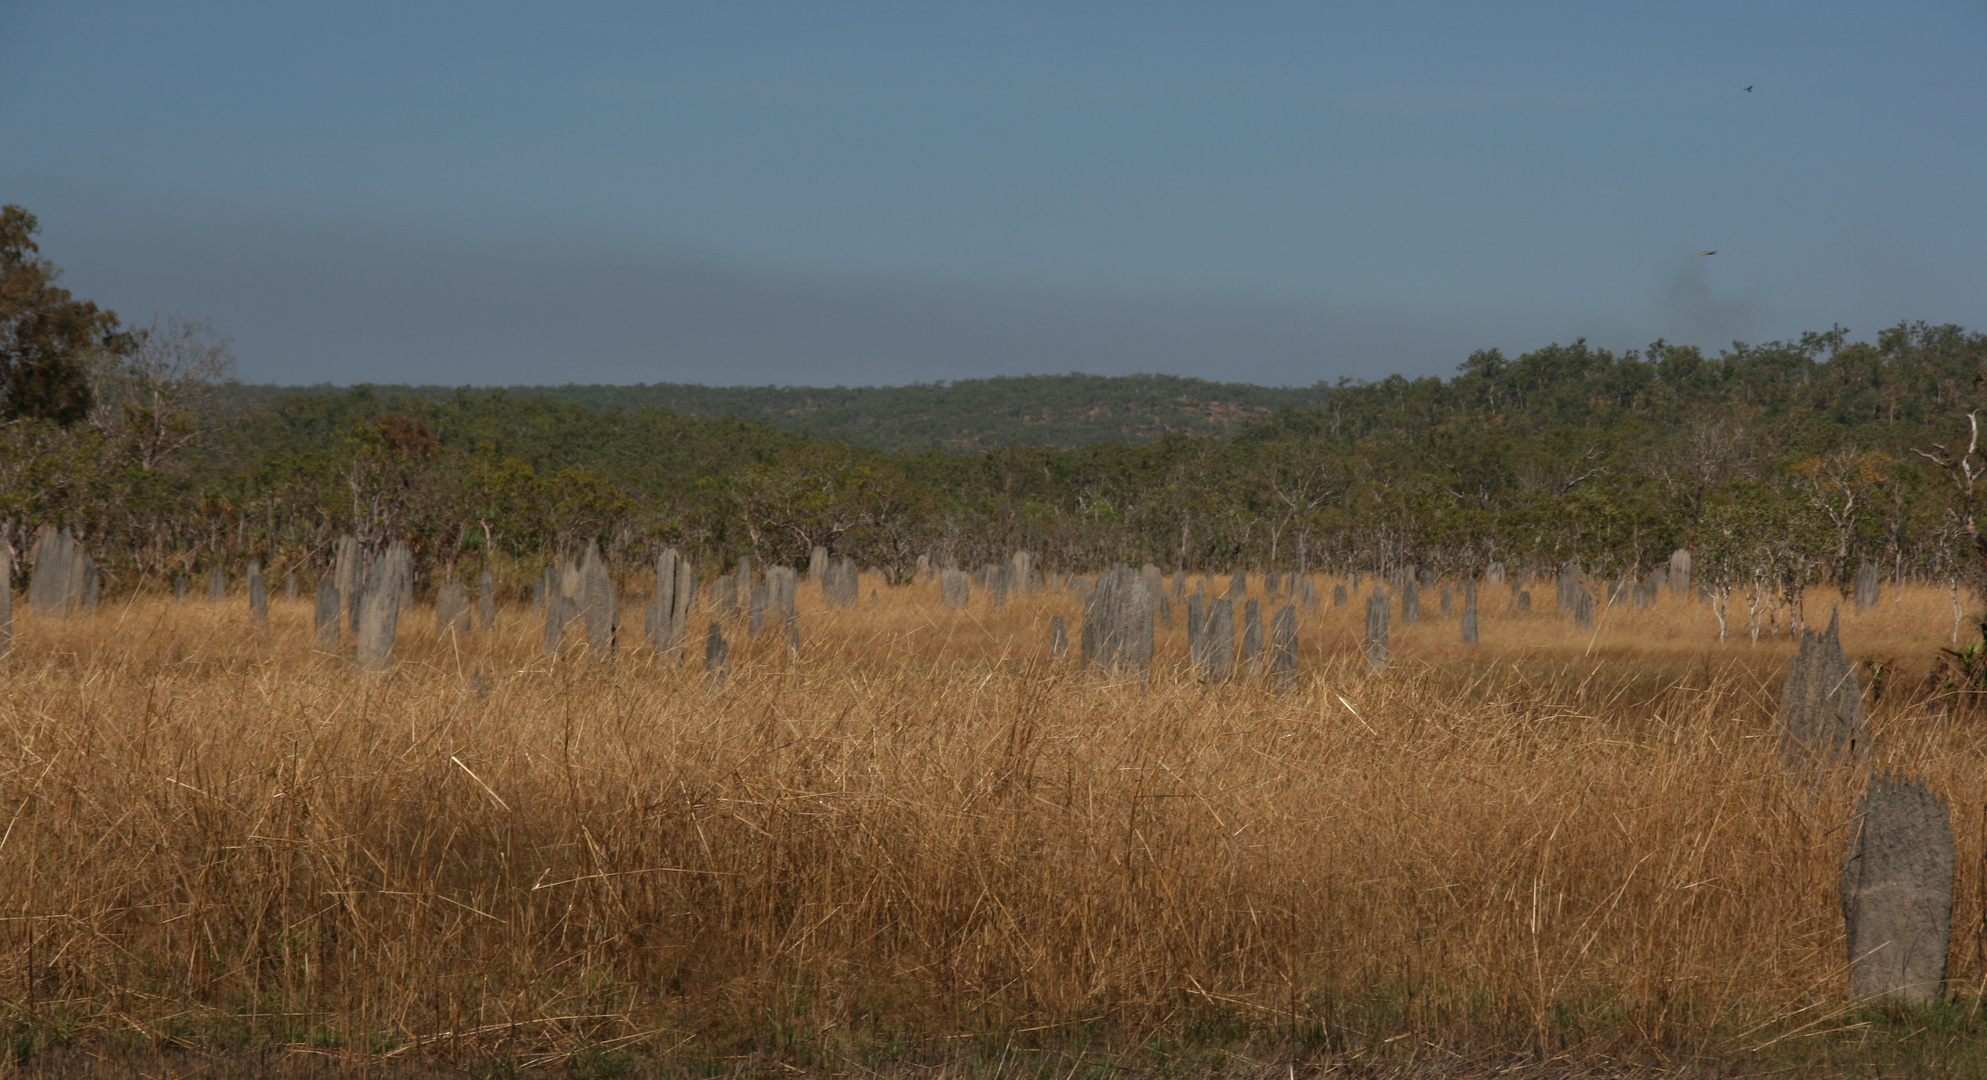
(1897, 893)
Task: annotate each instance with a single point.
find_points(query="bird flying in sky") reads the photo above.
(1749, 88)
(1707, 253)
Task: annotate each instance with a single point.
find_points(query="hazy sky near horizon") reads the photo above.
(885, 193)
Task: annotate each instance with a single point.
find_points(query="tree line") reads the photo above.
(1782, 466)
(961, 414)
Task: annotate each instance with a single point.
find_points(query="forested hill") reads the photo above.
(1911, 374)
(968, 414)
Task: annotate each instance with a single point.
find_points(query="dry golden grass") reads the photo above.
(922, 839)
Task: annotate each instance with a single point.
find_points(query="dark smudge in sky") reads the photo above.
(1689, 304)
(309, 300)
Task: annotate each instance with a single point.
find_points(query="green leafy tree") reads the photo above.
(51, 344)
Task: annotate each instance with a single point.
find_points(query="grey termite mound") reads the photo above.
(598, 603)
(1376, 631)
(1117, 624)
(379, 608)
(486, 602)
(1283, 649)
(717, 653)
(258, 594)
(954, 589)
(348, 571)
(60, 576)
(1897, 893)
(451, 608)
(329, 603)
(1821, 717)
(1252, 636)
(675, 593)
(1869, 587)
(1211, 637)
(841, 583)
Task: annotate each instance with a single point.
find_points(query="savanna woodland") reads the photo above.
(911, 829)
(1780, 466)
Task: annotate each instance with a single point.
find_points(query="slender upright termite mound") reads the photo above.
(326, 620)
(598, 603)
(841, 583)
(379, 609)
(1196, 632)
(1869, 588)
(1821, 717)
(55, 561)
(1283, 649)
(1376, 631)
(1117, 625)
(558, 609)
(1679, 578)
(451, 608)
(258, 594)
(1583, 607)
(955, 590)
(717, 653)
(724, 595)
(92, 584)
(782, 592)
(1252, 636)
(1154, 581)
(682, 598)
(1897, 893)
(348, 572)
(1217, 639)
(1569, 587)
(486, 602)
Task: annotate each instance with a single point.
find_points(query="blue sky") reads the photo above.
(864, 193)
